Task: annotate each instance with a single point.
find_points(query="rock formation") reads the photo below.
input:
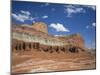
(34, 50)
(40, 26)
(74, 39)
(36, 36)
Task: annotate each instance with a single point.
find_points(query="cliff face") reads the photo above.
(30, 35)
(74, 39)
(40, 26)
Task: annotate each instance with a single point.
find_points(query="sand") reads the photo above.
(35, 61)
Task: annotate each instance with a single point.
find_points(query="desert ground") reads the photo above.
(35, 61)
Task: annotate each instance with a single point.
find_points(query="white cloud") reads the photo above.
(25, 12)
(73, 9)
(58, 35)
(93, 24)
(23, 16)
(31, 18)
(18, 17)
(91, 7)
(59, 27)
(45, 16)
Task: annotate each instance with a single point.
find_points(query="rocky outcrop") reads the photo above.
(36, 36)
(40, 26)
(74, 39)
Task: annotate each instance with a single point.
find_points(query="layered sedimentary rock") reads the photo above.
(74, 39)
(36, 36)
(40, 26)
(34, 50)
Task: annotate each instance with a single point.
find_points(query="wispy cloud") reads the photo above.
(46, 4)
(19, 17)
(73, 9)
(23, 16)
(91, 26)
(45, 16)
(91, 7)
(58, 35)
(25, 12)
(59, 27)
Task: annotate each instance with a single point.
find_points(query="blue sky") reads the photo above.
(62, 19)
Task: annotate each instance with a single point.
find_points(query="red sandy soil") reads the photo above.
(35, 61)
